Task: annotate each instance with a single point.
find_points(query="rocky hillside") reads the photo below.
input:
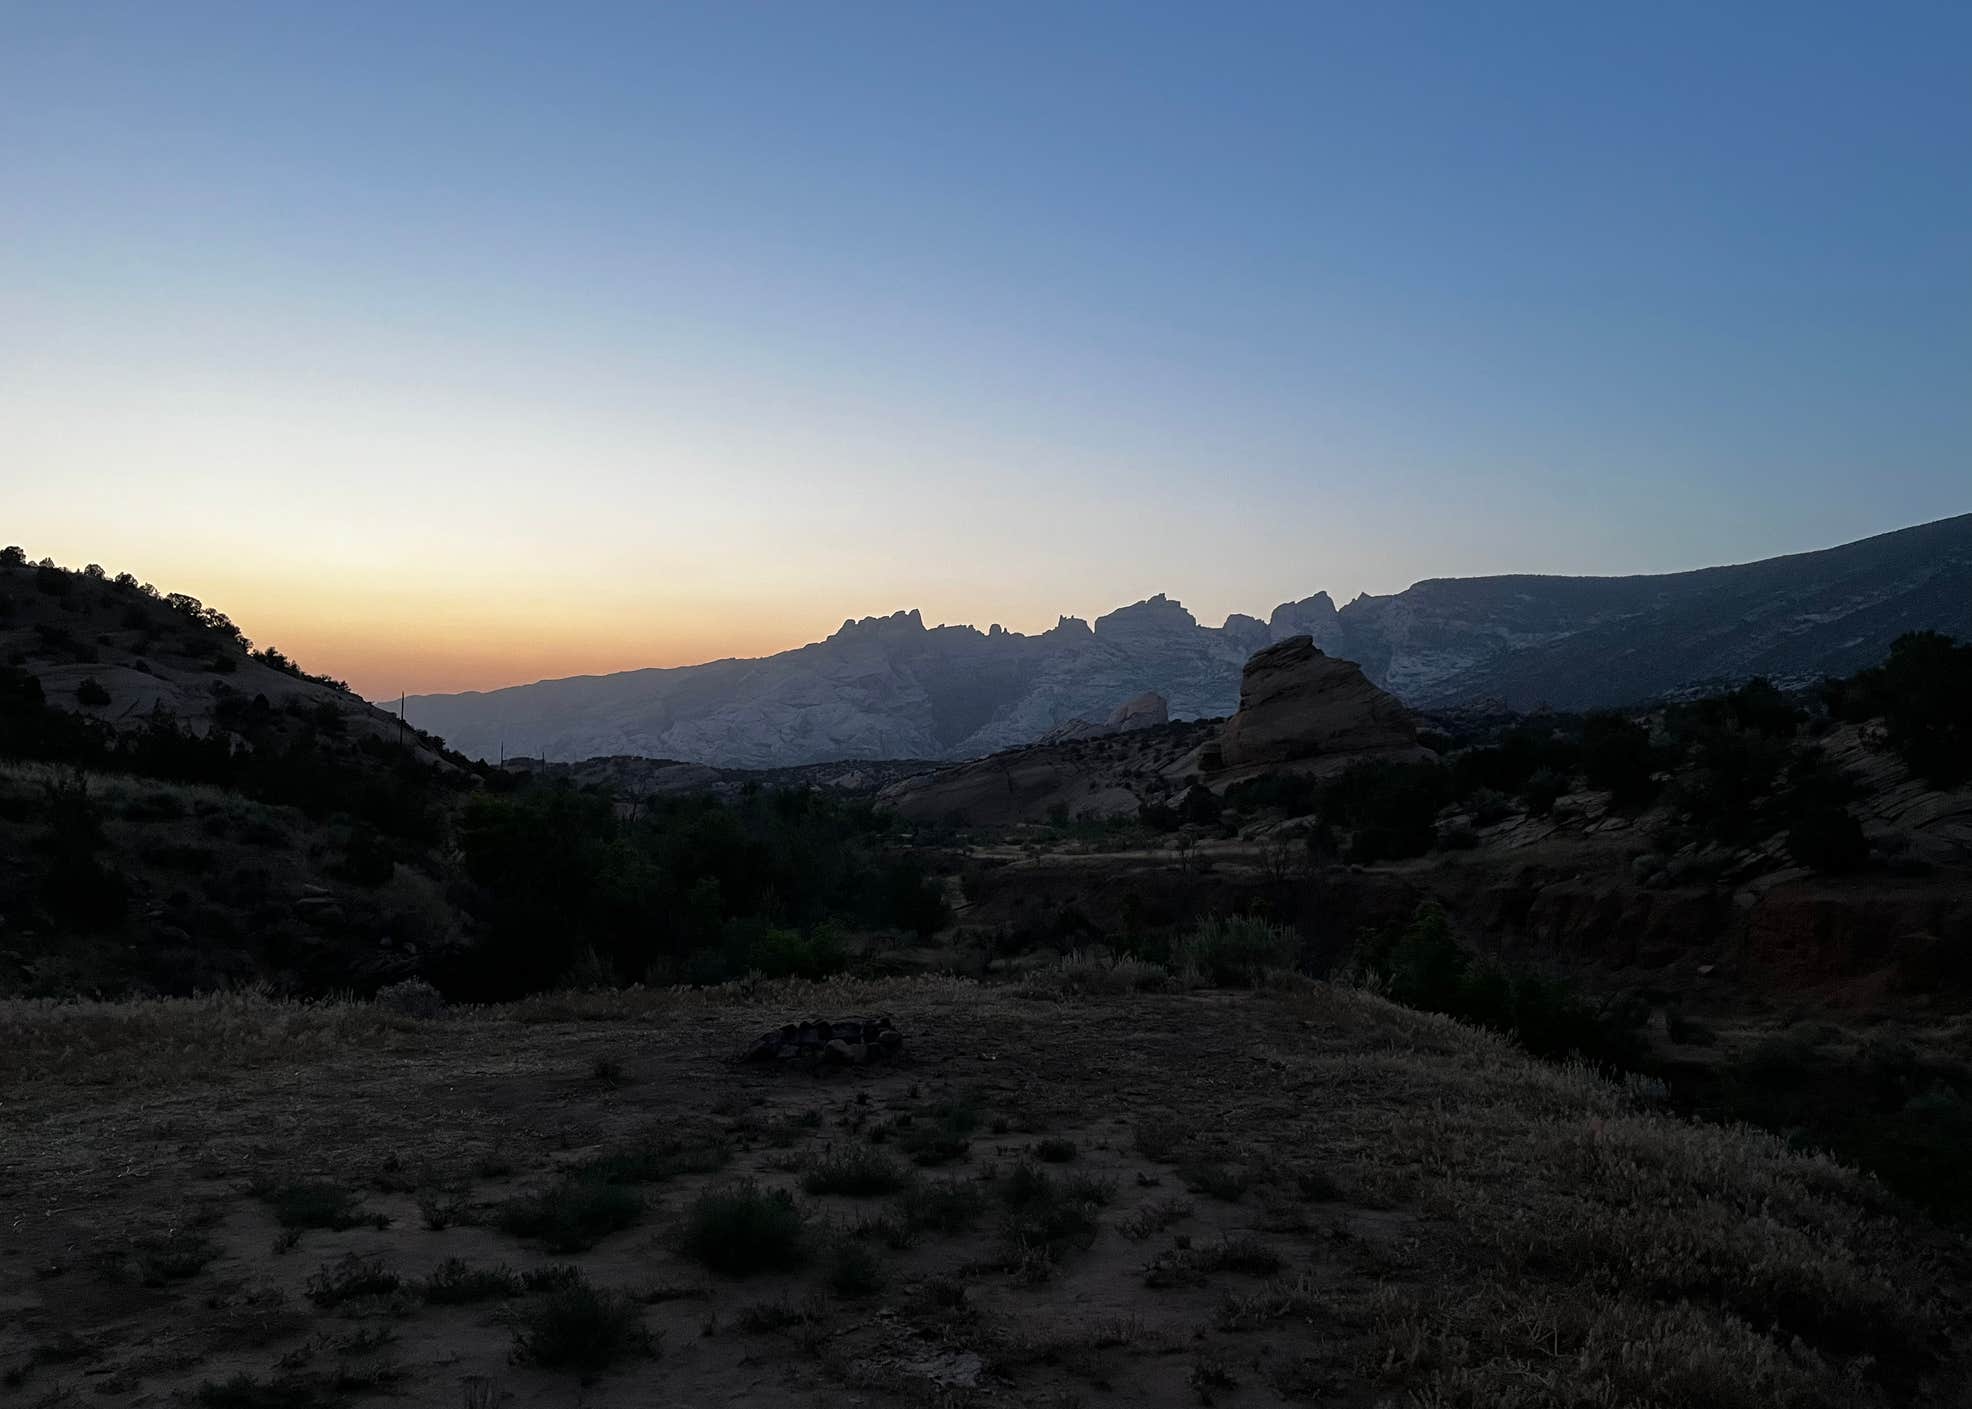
(890, 687)
(124, 657)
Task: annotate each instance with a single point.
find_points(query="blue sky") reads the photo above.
(453, 345)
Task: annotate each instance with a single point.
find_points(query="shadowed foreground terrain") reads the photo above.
(1303, 1195)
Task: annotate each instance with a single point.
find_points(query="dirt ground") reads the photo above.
(1302, 1196)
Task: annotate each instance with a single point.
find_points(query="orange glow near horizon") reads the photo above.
(382, 665)
(384, 642)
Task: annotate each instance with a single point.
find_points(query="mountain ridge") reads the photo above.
(889, 686)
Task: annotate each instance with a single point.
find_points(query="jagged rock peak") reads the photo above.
(1248, 631)
(1309, 611)
(871, 625)
(1158, 613)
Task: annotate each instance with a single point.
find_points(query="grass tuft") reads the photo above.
(455, 1283)
(857, 1171)
(943, 1206)
(349, 1277)
(654, 1162)
(1214, 1180)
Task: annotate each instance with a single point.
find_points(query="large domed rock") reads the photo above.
(1138, 712)
(1297, 704)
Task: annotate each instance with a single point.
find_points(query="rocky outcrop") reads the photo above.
(1143, 711)
(1109, 775)
(1297, 705)
(1138, 712)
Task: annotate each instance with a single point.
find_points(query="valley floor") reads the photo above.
(1295, 1196)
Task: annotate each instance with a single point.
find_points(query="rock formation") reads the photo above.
(1143, 711)
(1296, 704)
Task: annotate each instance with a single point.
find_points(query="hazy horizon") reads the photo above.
(454, 347)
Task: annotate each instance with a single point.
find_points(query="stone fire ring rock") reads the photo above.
(828, 1042)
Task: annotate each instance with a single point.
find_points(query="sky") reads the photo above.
(455, 345)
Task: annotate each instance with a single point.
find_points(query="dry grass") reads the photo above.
(1424, 1216)
(171, 1041)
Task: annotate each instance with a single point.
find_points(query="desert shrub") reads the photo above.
(1280, 1300)
(1186, 1266)
(1055, 1150)
(154, 805)
(1734, 754)
(1094, 971)
(579, 1327)
(456, 1283)
(1423, 966)
(1317, 1186)
(1152, 1218)
(1827, 837)
(1050, 1229)
(1391, 808)
(173, 1256)
(855, 1170)
(1920, 693)
(1488, 807)
(1090, 1189)
(1244, 1253)
(189, 857)
(1291, 795)
(852, 1270)
(550, 1278)
(944, 1206)
(349, 1277)
(740, 1229)
(1160, 1140)
(411, 998)
(1227, 1183)
(943, 1137)
(763, 1317)
(246, 1391)
(654, 1161)
(1504, 768)
(573, 1215)
(1544, 786)
(696, 887)
(77, 886)
(1026, 1184)
(1616, 755)
(1239, 950)
(306, 1203)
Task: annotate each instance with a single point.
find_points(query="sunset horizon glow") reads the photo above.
(451, 347)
